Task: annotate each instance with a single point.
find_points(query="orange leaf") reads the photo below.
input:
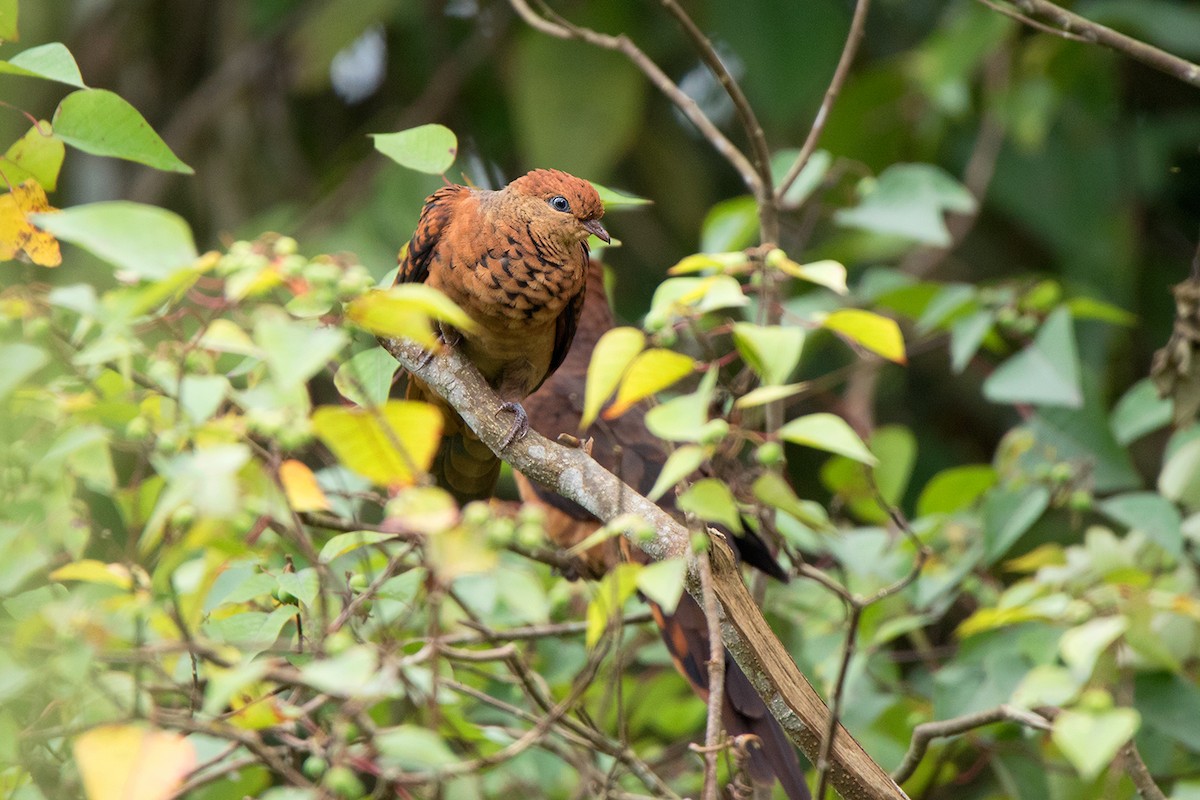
(132, 762)
(301, 487)
(17, 233)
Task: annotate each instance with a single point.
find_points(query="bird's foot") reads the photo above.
(445, 335)
(520, 424)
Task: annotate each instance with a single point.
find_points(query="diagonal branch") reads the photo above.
(1089, 31)
(560, 29)
(576, 476)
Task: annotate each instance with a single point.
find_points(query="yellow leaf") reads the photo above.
(301, 487)
(731, 263)
(406, 311)
(875, 332)
(828, 273)
(610, 359)
(132, 762)
(91, 571)
(458, 551)
(391, 445)
(17, 233)
(256, 707)
(652, 371)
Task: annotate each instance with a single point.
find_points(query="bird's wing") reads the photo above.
(435, 217)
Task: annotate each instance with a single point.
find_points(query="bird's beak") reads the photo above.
(594, 227)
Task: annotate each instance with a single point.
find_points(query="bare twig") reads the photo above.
(1099, 34)
(926, 732)
(713, 740)
(853, 38)
(1139, 773)
(560, 29)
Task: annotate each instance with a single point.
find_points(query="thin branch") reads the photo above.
(1139, 773)
(926, 732)
(998, 6)
(713, 743)
(839, 692)
(561, 29)
(849, 50)
(1094, 32)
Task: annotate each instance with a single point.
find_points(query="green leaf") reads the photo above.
(810, 177)
(828, 273)
(366, 379)
(774, 490)
(966, 336)
(955, 489)
(1082, 645)
(344, 674)
(613, 199)
(909, 200)
(392, 445)
(1150, 513)
(147, 241)
(662, 582)
(99, 122)
(295, 350)
(1009, 513)
(201, 395)
(712, 501)
(1139, 411)
(1090, 739)
(611, 593)
(651, 371)
(302, 585)
(1084, 435)
(730, 225)
(404, 311)
(1044, 373)
(829, 432)
(1090, 308)
(611, 357)
(411, 747)
(426, 148)
(680, 464)
(344, 543)
(688, 296)
(51, 61)
(1180, 477)
(37, 156)
(18, 361)
(772, 351)
(681, 419)
(768, 394)
(875, 332)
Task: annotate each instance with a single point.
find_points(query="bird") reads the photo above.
(624, 446)
(515, 260)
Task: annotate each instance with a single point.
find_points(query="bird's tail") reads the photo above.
(686, 635)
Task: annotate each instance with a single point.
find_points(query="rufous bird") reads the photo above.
(515, 260)
(624, 446)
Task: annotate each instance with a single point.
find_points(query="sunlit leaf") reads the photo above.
(1044, 373)
(8, 21)
(828, 273)
(875, 332)
(681, 419)
(955, 489)
(772, 351)
(132, 762)
(344, 543)
(1090, 739)
(99, 122)
(691, 295)
(18, 361)
(613, 199)
(392, 445)
(366, 379)
(909, 200)
(295, 350)
(662, 582)
(301, 487)
(1083, 645)
(92, 571)
(147, 241)
(611, 357)
(774, 490)
(829, 432)
(51, 61)
(721, 262)
(651, 371)
(20, 210)
(405, 311)
(611, 593)
(680, 464)
(768, 394)
(36, 156)
(712, 501)
(427, 148)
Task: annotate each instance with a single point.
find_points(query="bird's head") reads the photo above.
(564, 204)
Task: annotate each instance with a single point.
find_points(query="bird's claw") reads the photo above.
(520, 425)
(445, 335)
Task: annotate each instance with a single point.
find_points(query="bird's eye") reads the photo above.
(559, 203)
